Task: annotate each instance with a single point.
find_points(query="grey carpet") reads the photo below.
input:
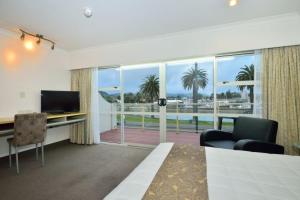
(71, 172)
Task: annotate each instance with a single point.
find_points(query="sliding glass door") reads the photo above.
(110, 105)
(141, 84)
(197, 92)
(190, 99)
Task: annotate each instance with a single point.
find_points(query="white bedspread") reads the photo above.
(236, 175)
(232, 175)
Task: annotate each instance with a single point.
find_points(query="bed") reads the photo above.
(212, 174)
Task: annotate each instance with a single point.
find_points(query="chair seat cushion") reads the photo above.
(224, 144)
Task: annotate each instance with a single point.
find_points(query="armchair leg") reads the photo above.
(17, 159)
(37, 151)
(43, 157)
(9, 144)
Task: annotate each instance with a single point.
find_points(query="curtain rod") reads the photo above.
(236, 53)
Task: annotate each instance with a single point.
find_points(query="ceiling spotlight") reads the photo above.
(87, 12)
(233, 2)
(52, 47)
(29, 45)
(22, 36)
(39, 38)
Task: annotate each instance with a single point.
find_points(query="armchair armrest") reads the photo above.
(258, 146)
(210, 135)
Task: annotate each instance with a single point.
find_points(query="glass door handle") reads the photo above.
(162, 102)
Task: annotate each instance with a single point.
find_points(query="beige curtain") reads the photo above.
(81, 80)
(281, 93)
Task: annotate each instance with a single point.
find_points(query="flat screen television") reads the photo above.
(55, 102)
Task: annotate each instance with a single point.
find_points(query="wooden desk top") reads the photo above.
(6, 120)
(10, 120)
(64, 115)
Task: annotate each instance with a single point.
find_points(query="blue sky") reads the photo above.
(133, 78)
(175, 73)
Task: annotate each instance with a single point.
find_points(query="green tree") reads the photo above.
(129, 97)
(228, 94)
(150, 90)
(138, 97)
(194, 79)
(247, 74)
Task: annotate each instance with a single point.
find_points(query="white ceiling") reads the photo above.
(121, 20)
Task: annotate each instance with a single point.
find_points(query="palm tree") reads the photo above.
(194, 79)
(150, 89)
(246, 74)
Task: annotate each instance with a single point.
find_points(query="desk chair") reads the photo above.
(28, 129)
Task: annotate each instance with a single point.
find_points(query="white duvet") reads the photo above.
(231, 175)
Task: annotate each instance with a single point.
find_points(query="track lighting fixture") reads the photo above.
(38, 36)
(22, 36)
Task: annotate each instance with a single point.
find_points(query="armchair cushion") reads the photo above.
(258, 146)
(214, 135)
(224, 144)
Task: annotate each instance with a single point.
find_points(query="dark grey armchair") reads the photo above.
(249, 134)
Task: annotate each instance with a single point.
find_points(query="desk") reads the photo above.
(7, 123)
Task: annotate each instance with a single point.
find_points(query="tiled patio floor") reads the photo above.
(149, 137)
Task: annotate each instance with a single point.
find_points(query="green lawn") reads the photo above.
(148, 119)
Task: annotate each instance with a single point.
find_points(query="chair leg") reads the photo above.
(37, 151)
(17, 160)
(43, 157)
(9, 144)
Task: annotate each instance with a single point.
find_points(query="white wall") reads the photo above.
(22, 78)
(275, 31)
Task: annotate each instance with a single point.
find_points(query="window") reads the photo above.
(236, 84)
(141, 88)
(109, 78)
(198, 92)
(180, 83)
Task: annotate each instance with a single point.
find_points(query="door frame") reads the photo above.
(162, 109)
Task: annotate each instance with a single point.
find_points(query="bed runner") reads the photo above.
(181, 176)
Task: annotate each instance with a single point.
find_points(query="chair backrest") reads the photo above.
(255, 129)
(30, 128)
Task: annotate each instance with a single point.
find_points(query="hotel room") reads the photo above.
(140, 99)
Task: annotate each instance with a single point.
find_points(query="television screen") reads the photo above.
(60, 101)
